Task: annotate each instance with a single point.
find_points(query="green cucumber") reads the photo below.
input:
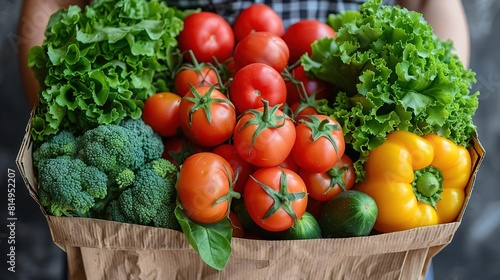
(351, 213)
(305, 228)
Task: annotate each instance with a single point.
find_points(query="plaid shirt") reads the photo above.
(289, 10)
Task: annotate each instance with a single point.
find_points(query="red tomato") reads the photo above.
(324, 186)
(235, 223)
(203, 179)
(240, 167)
(208, 35)
(255, 18)
(263, 47)
(230, 66)
(302, 109)
(206, 116)
(275, 198)
(264, 137)
(194, 76)
(319, 143)
(289, 163)
(178, 148)
(295, 91)
(161, 112)
(300, 35)
(255, 82)
(229, 69)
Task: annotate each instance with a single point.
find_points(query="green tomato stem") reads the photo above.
(282, 198)
(337, 177)
(264, 120)
(322, 128)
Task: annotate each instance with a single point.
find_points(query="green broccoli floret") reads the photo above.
(166, 218)
(113, 148)
(147, 202)
(125, 179)
(67, 186)
(164, 168)
(63, 143)
(149, 143)
(107, 147)
(83, 175)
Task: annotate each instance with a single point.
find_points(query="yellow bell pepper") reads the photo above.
(416, 181)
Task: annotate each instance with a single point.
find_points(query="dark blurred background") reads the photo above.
(473, 254)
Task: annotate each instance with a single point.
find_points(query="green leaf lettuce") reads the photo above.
(99, 65)
(392, 73)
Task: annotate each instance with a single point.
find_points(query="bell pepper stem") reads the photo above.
(428, 185)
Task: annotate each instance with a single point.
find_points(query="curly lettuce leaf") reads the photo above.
(393, 73)
(99, 65)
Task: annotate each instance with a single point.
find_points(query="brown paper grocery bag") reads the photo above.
(99, 249)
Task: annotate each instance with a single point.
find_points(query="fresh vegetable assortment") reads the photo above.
(220, 131)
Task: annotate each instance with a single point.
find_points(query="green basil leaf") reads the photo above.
(212, 242)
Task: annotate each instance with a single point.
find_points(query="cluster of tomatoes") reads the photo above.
(242, 120)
